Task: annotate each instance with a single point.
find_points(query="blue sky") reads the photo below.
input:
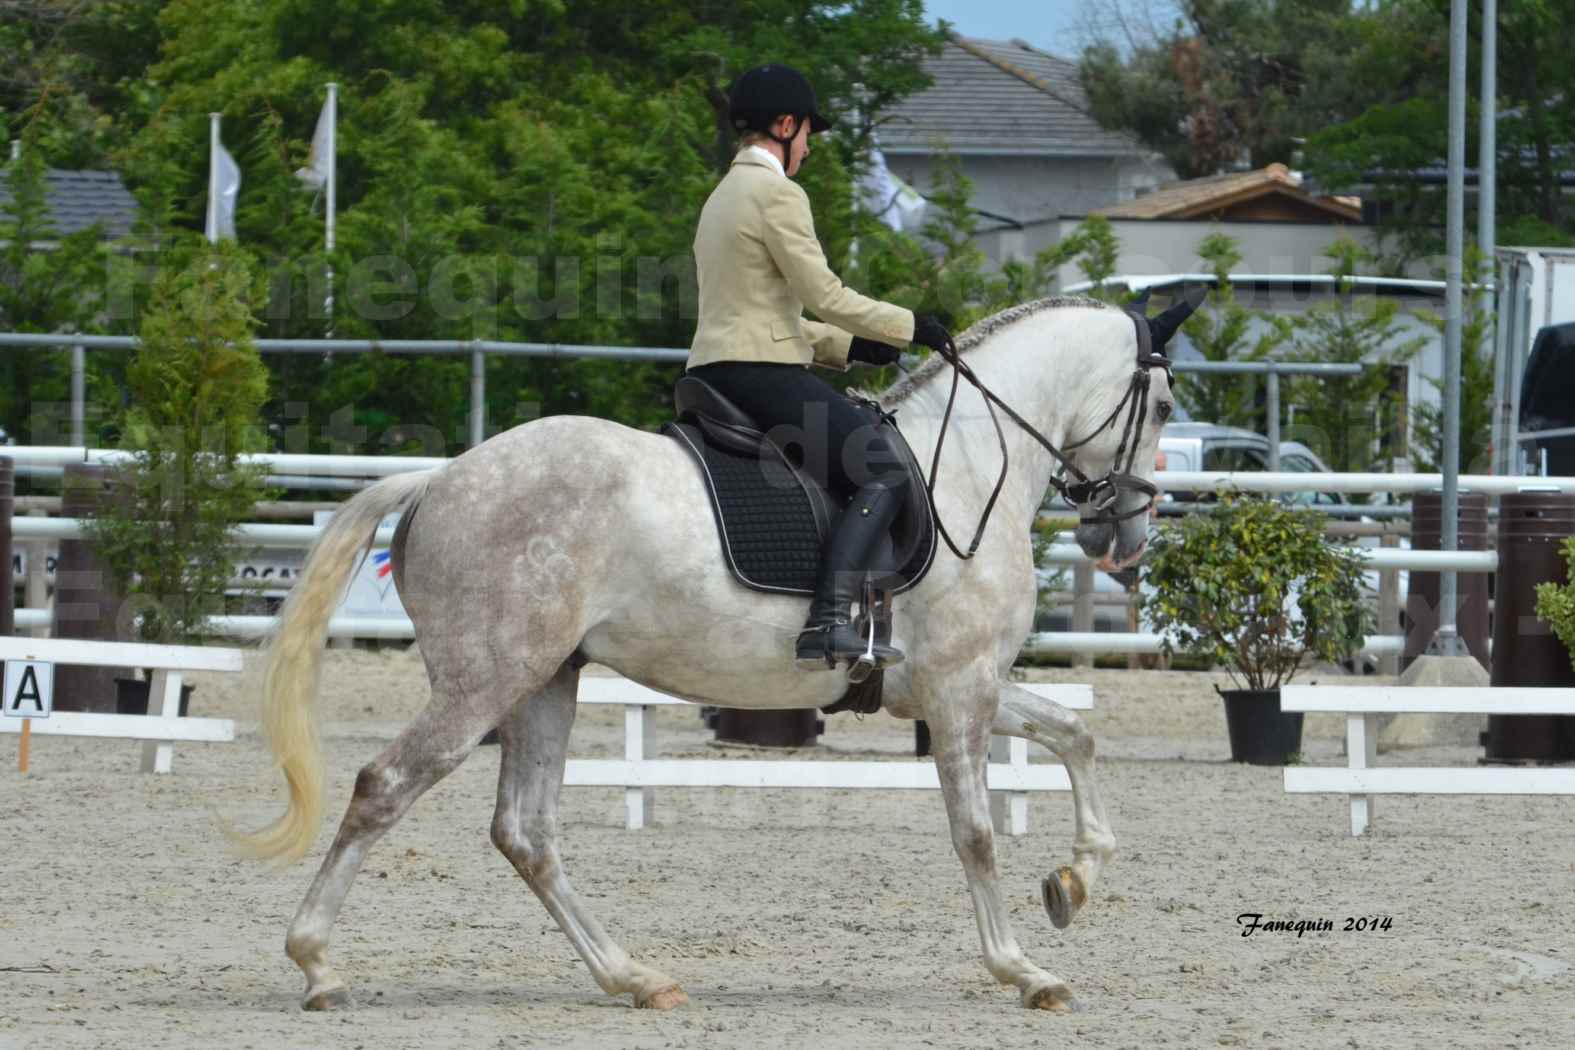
(1058, 26)
(1050, 24)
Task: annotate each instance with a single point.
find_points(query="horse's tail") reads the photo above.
(292, 664)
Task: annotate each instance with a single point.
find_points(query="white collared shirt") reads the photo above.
(772, 157)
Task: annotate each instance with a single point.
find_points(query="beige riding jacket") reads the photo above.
(760, 265)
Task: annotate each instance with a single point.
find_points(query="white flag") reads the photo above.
(224, 189)
(887, 197)
(315, 174)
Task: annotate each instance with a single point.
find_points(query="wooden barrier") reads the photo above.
(1011, 776)
(1361, 779)
(157, 731)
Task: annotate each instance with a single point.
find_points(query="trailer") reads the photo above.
(1536, 290)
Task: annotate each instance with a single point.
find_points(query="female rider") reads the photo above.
(760, 265)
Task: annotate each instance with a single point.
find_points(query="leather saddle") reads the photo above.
(773, 516)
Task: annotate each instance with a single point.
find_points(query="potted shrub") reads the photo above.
(194, 389)
(1251, 585)
(1556, 602)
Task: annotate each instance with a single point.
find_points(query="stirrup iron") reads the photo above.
(859, 669)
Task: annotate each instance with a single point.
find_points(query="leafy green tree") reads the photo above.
(1231, 81)
(530, 171)
(1401, 58)
(196, 386)
(1353, 422)
(48, 283)
(1227, 331)
(73, 73)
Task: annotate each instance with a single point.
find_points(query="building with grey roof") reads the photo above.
(1019, 124)
(78, 199)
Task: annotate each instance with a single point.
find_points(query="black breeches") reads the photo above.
(837, 443)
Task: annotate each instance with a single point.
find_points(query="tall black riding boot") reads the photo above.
(829, 636)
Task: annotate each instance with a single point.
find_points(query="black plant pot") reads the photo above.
(1260, 733)
(131, 697)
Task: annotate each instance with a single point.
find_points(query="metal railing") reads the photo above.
(479, 349)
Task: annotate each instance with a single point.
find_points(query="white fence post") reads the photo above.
(1361, 749)
(1362, 777)
(1009, 809)
(164, 690)
(638, 802)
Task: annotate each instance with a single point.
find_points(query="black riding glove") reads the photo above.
(928, 331)
(871, 352)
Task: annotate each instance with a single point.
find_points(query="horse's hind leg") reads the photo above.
(1023, 714)
(535, 739)
(429, 749)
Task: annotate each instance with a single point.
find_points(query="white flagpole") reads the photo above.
(213, 178)
(333, 149)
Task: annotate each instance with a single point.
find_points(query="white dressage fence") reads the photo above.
(1011, 775)
(400, 628)
(157, 731)
(1361, 779)
(1073, 643)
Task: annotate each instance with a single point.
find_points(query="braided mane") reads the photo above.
(976, 334)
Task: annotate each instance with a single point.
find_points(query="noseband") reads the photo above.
(1101, 492)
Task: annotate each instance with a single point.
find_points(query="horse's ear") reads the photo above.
(1164, 326)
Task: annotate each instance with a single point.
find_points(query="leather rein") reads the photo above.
(1102, 492)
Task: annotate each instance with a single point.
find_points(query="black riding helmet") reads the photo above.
(760, 96)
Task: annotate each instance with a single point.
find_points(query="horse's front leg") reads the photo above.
(960, 720)
(1023, 714)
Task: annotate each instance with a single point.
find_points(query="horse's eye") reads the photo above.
(1163, 410)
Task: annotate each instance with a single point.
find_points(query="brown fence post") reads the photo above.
(791, 728)
(1531, 528)
(1083, 608)
(1423, 592)
(85, 603)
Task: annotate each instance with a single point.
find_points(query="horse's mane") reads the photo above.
(977, 333)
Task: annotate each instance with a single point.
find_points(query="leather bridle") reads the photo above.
(1101, 492)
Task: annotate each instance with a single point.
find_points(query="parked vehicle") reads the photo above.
(1193, 446)
(1209, 446)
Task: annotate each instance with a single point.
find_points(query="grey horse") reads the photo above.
(572, 534)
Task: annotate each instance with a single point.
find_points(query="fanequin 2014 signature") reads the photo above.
(1253, 921)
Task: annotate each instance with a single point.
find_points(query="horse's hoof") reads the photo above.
(327, 999)
(1063, 895)
(668, 998)
(1057, 998)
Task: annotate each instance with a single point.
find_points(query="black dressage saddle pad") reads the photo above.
(772, 517)
(771, 522)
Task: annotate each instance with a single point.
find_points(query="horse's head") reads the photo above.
(1125, 420)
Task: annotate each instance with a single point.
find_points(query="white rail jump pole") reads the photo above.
(157, 731)
(1011, 776)
(1361, 778)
